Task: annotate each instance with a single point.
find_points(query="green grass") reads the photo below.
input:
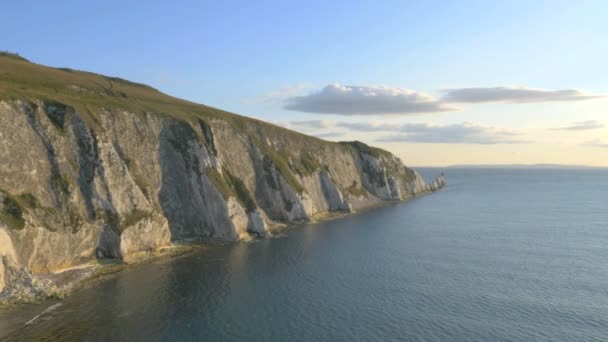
(117, 222)
(126, 82)
(11, 55)
(15, 206)
(361, 147)
(12, 212)
(71, 220)
(27, 200)
(109, 217)
(89, 94)
(308, 164)
(406, 174)
(207, 136)
(16, 223)
(242, 193)
(220, 183)
(280, 161)
(231, 186)
(132, 218)
(61, 183)
(356, 190)
(409, 175)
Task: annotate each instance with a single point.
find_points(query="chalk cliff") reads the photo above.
(95, 167)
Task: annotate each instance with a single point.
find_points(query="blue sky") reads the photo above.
(252, 57)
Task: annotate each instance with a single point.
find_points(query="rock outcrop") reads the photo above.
(94, 167)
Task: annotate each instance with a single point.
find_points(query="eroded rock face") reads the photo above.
(333, 196)
(192, 204)
(20, 285)
(74, 190)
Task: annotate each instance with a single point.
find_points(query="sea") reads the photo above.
(500, 254)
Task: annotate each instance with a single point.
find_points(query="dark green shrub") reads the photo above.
(12, 212)
(231, 186)
(28, 200)
(242, 193)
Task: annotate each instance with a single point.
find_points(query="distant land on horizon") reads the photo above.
(519, 166)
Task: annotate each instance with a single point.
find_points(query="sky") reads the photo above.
(435, 82)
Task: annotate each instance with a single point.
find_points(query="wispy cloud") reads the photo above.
(464, 133)
(323, 129)
(384, 100)
(595, 143)
(581, 126)
(373, 126)
(513, 95)
(365, 100)
(369, 126)
(330, 135)
(312, 124)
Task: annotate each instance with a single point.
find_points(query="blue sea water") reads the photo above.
(498, 255)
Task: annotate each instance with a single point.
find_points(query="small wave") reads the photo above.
(49, 309)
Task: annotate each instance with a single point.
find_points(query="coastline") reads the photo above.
(59, 285)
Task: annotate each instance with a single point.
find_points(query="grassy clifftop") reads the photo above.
(89, 93)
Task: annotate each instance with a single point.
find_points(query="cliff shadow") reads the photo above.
(194, 208)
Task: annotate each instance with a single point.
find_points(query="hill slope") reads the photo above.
(95, 167)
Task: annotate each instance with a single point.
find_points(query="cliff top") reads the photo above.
(88, 93)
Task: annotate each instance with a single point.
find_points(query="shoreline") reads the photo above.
(69, 280)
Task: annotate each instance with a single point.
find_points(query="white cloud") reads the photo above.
(365, 100)
(581, 126)
(381, 100)
(464, 133)
(513, 95)
(595, 143)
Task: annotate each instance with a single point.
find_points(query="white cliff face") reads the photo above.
(2, 282)
(149, 234)
(332, 194)
(375, 179)
(257, 224)
(7, 252)
(125, 183)
(322, 195)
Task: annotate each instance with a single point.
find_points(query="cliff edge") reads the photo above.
(95, 167)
